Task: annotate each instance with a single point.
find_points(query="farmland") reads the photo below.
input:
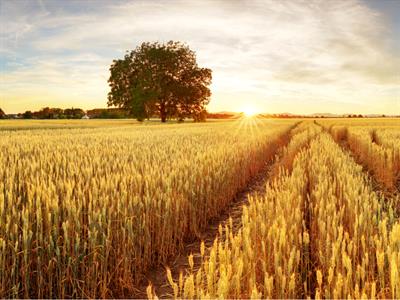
(94, 209)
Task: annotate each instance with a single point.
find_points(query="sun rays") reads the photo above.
(249, 121)
(249, 111)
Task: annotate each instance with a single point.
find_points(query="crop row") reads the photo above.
(320, 231)
(263, 258)
(377, 149)
(86, 212)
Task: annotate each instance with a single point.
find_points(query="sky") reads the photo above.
(272, 56)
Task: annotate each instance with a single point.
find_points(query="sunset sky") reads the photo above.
(275, 56)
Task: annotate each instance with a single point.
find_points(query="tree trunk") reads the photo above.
(163, 113)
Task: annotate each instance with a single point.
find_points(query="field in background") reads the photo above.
(88, 207)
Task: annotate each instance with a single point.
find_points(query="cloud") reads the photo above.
(268, 50)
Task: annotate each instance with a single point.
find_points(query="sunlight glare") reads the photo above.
(249, 111)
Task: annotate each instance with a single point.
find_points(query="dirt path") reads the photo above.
(158, 277)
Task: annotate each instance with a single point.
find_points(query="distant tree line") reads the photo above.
(282, 116)
(97, 113)
(69, 113)
(358, 116)
(108, 113)
(119, 113)
(292, 116)
(54, 113)
(220, 116)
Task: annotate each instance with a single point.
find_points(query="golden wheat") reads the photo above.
(87, 208)
(375, 144)
(263, 258)
(320, 232)
(85, 212)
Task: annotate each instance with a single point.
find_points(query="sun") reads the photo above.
(249, 111)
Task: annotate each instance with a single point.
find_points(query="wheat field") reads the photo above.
(88, 209)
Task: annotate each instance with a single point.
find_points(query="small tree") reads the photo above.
(27, 115)
(159, 79)
(73, 113)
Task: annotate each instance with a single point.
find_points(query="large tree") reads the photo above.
(162, 79)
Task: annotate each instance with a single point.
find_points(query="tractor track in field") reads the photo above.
(179, 263)
(391, 196)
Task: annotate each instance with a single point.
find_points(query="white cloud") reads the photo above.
(278, 53)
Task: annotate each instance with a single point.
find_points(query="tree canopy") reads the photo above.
(2, 114)
(160, 79)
